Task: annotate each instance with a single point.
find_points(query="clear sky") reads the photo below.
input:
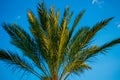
(104, 67)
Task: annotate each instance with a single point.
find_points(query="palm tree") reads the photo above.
(53, 47)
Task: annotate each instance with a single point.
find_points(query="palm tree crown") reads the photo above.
(52, 47)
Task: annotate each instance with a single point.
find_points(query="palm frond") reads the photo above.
(76, 67)
(20, 63)
(41, 40)
(22, 40)
(97, 27)
(76, 45)
(101, 49)
(76, 21)
(43, 16)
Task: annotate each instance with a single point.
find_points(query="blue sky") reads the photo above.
(105, 67)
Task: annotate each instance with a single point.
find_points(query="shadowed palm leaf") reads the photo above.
(52, 47)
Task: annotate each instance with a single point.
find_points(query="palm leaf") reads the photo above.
(14, 59)
(101, 49)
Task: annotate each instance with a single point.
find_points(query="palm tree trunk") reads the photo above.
(55, 77)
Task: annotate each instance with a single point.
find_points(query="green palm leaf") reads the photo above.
(20, 63)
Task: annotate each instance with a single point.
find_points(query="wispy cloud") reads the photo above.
(117, 24)
(18, 17)
(98, 3)
(94, 1)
